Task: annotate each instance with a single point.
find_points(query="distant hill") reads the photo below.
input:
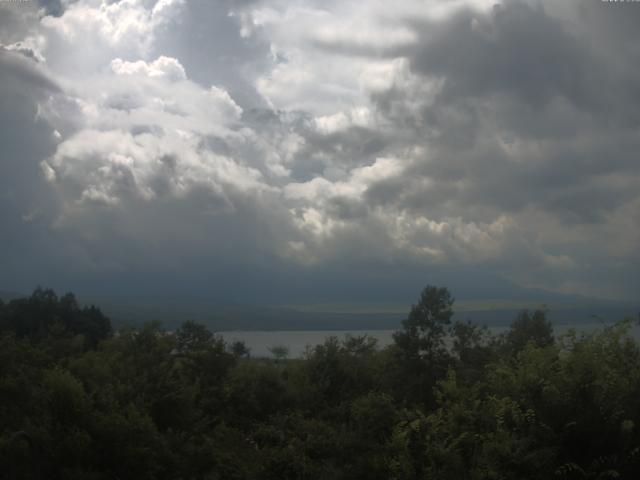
(8, 296)
(491, 312)
(360, 315)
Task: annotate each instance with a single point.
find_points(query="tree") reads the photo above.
(471, 346)
(280, 352)
(205, 357)
(341, 370)
(527, 328)
(43, 313)
(239, 349)
(424, 328)
(421, 343)
(193, 337)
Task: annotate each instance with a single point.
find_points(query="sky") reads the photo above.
(317, 150)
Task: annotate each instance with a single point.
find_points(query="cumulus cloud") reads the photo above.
(162, 67)
(302, 136)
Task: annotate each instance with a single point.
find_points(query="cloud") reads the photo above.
(26, 202)
(523, 118)
(129, 23)
(161, 67)
(307, 137)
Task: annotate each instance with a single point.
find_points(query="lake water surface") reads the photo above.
(298, 340)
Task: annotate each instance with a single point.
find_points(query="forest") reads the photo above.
(446, 400)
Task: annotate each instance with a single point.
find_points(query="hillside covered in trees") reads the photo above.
(446, 400)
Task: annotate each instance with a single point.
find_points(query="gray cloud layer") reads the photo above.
(319, 146)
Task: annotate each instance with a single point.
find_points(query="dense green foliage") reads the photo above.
(445, 401)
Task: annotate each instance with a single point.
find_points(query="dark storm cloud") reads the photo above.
(27, 204)
(533, 109)
(516, 78)
(515, 50)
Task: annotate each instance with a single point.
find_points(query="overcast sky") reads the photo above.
(317, 149)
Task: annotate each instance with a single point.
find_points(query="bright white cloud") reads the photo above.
(128, 23)
(162, 67)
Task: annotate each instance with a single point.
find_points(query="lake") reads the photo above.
(297, 340)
